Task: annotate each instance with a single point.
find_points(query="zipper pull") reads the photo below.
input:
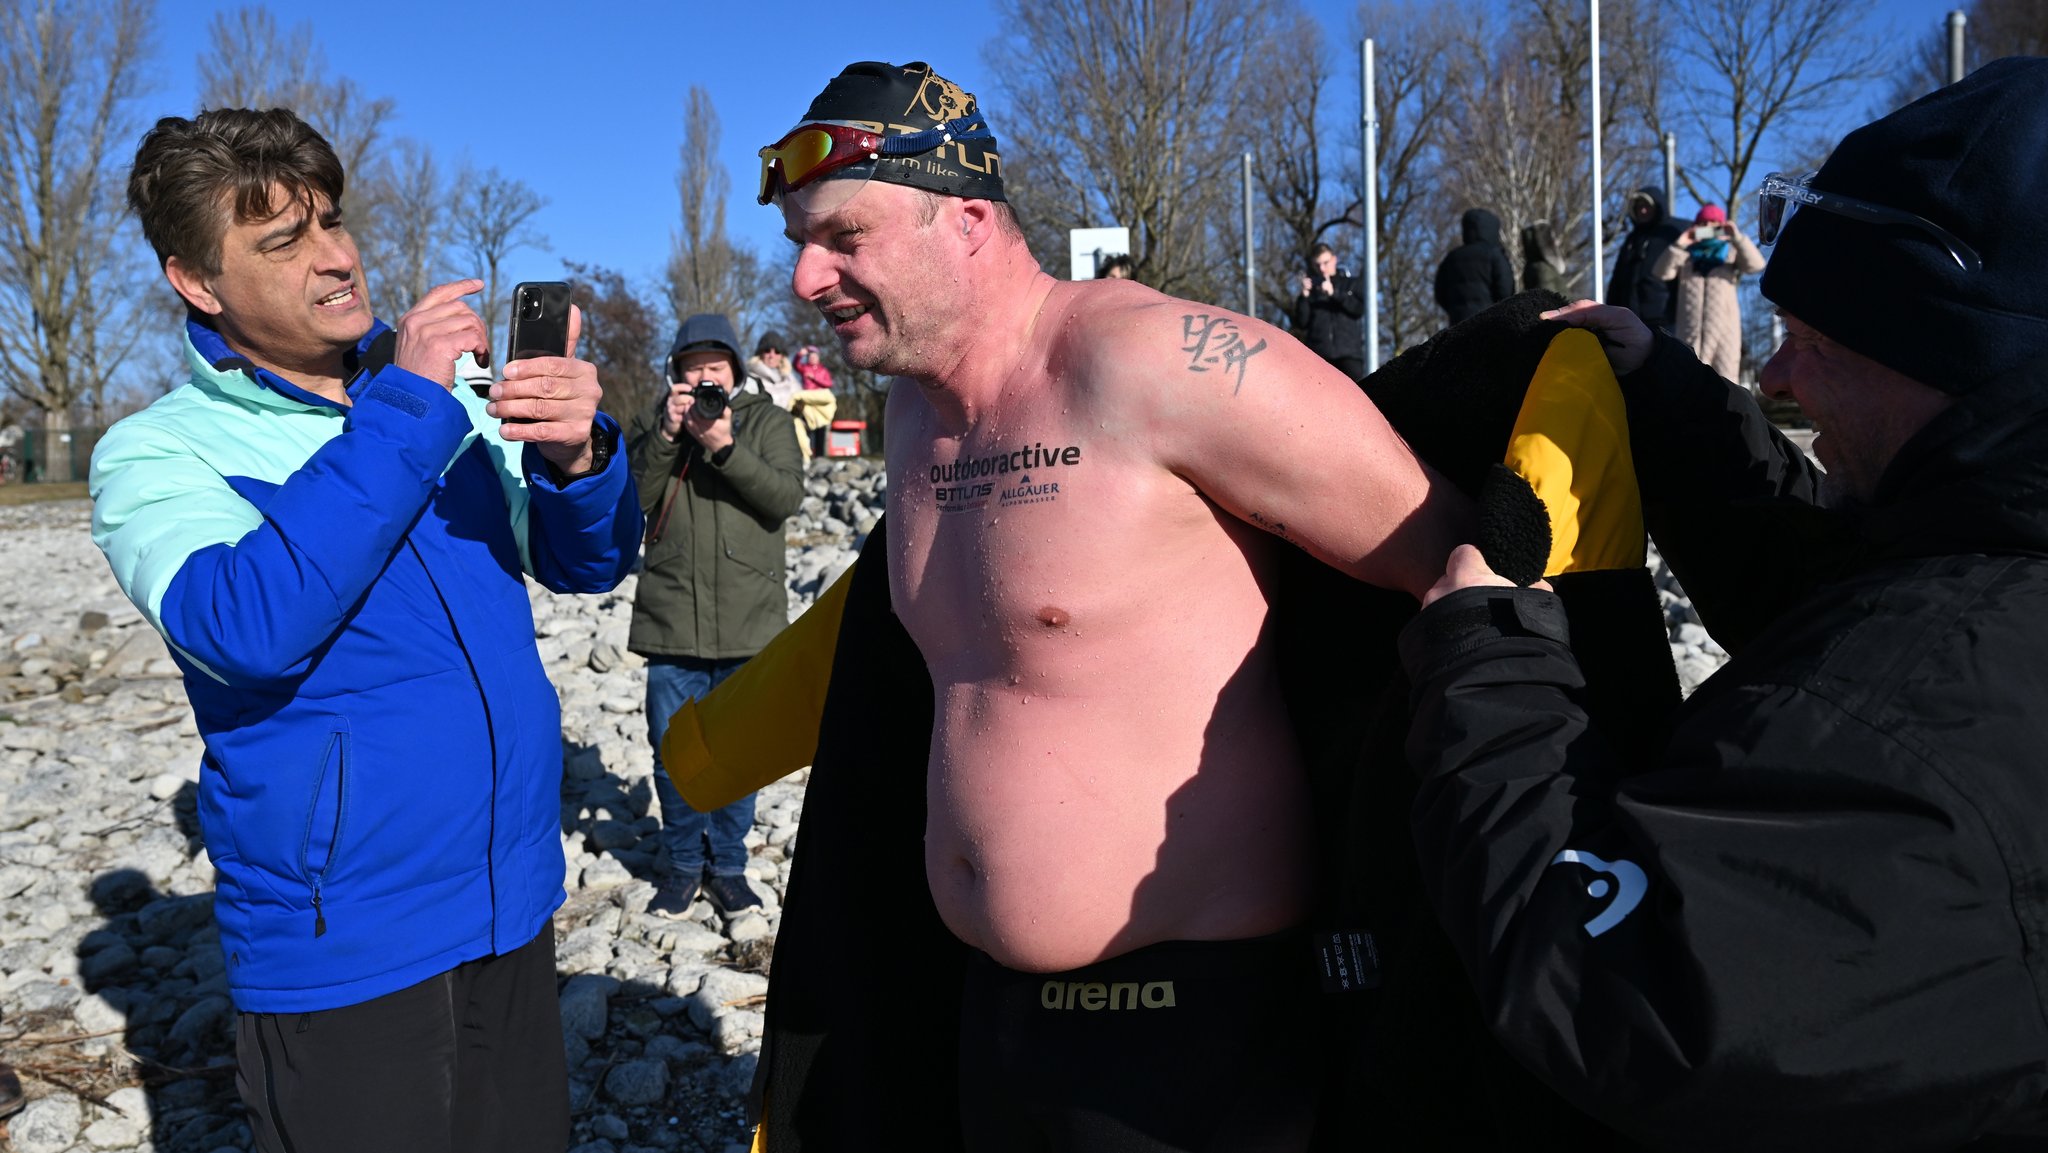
(319, 918)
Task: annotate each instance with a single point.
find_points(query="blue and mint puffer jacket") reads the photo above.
(343, 588)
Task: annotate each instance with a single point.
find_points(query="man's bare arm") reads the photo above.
(1281, 439)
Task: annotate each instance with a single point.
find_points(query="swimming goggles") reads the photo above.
(1781, 196)
(813, 151)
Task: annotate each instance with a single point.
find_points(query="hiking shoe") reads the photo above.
(729, 895)
(673, 896)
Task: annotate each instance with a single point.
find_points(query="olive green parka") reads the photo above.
(713, 585)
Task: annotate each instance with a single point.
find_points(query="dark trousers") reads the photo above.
(470, 1060)
(1351, 366)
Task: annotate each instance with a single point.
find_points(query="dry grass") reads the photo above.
(12, 494)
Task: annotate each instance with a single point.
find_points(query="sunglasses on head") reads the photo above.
(811, 152)
(1781, 196)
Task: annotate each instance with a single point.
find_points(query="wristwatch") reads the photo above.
(601, 448)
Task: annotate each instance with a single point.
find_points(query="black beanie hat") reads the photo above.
(1972, 158)
(903, 98)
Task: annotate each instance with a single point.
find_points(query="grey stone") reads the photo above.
(113, 1133)
(731, 1032)
(48, 993)
(598, 1146)
(604, 835)
(641, 1081)
(610, 1125)
(607, 872)
(586, 1003)
(48, 1125)
(207, 1016)
(132, 1103)
(748, 926)
(99, 968)
(99, 1015)
(723, 991)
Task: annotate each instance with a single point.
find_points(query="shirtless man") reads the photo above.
(1088, 486)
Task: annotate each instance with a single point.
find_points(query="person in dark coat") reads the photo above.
(1326, 313)
(1476, 275)
(1813, 917)
(1634, 285)
(1542, 262)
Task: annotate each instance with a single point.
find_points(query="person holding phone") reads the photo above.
(335, 541)
(719, 470)
(1707, 263)
(1326, 312)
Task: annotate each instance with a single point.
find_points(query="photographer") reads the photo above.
(1709, 260)
(1326, 313)
(719, 471)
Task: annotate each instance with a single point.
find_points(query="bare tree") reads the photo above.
(69, 76)
(1411, 92)
(1519, 111)
(1134, 113)
(491, 218)
(707, 270)
(404, 240)
(624, 335)
(1763, 66)
(1305, 201)
(250, 62)
(1995, 29)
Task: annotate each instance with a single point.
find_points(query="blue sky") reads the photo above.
(606, 81)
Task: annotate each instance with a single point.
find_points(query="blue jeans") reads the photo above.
(692, 838)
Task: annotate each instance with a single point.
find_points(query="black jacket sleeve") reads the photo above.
(1738, 946)
(1732, 504)
(1349, 299)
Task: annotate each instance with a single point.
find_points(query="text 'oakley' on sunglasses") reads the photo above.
(1781, 196)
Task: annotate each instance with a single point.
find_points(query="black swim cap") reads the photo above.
(899, 99)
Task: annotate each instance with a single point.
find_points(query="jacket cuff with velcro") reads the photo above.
(415, 414)
(1484, 622)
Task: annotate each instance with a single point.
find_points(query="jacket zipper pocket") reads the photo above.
(323, 824)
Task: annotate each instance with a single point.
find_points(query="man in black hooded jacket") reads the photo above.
(1650, 231)
(1476, 275)
(1816, 919)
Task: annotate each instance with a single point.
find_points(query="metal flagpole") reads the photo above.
(1599, 239)
(1369, 160)
(1250, 304)
(1956, 20)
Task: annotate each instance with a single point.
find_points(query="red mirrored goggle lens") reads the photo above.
(809, 152)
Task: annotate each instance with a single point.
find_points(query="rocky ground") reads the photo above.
(113, 1001)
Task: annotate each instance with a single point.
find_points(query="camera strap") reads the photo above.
(676, 473)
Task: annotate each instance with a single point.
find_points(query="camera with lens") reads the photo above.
(710, 400)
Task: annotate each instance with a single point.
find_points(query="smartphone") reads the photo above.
(540, 322)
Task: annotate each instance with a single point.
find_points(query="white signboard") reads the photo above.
(1087, 248)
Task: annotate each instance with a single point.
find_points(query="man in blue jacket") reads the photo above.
(333, 536)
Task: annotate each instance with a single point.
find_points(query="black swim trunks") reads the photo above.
(1184, 1045)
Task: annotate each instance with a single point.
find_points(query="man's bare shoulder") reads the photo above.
(1191, 357)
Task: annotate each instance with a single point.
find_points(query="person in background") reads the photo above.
(1634, 285)
(815, 404)
(1326, 314)
(1542, 262)
(1118, 267)
(1476, 275)
(716, 482)
(1707, 263)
